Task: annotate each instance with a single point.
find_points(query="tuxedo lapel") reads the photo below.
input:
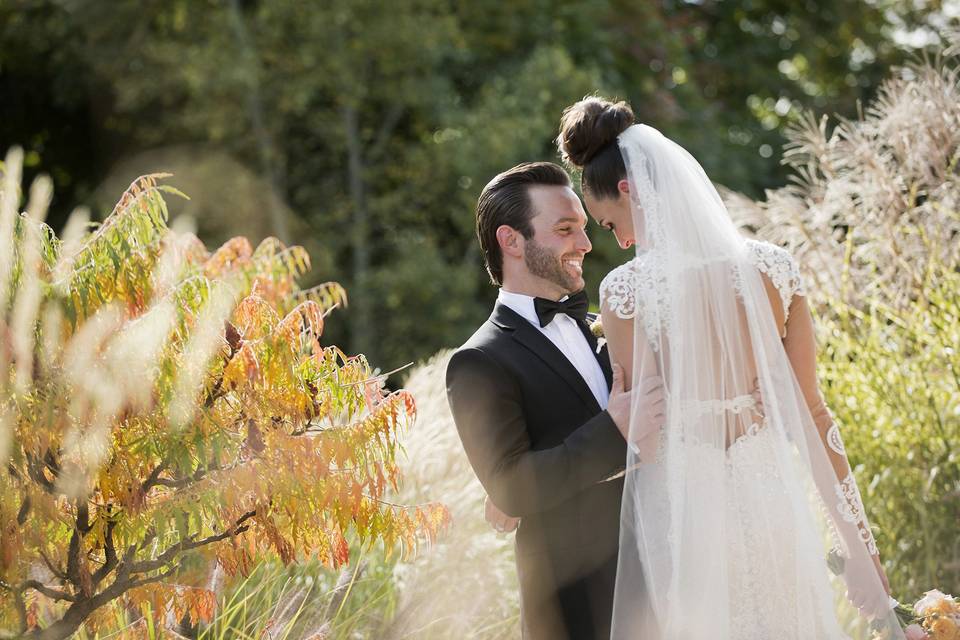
(541, 346)
(601, 354)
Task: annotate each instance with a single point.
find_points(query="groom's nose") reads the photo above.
(583, 242)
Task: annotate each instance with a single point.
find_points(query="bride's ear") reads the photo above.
(510, 240)
(624, 187)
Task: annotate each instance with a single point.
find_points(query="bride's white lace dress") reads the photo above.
(771, 593)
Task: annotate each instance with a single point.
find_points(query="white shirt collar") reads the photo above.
(522, 304)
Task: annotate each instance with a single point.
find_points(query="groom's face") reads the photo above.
(555, 252)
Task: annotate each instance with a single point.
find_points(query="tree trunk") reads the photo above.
(265, 146)
(360, 235)
(79, 611)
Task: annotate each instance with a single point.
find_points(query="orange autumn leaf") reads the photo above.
(234, 253)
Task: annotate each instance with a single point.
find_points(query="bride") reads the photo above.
(730, 510)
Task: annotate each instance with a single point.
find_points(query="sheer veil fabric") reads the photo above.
(728, 512)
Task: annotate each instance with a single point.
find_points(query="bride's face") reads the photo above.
(614, 214)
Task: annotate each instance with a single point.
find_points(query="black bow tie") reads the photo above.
(575, 306)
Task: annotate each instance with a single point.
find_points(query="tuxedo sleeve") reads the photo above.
(488, 412)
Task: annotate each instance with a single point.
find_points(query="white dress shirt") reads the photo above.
(564, 333)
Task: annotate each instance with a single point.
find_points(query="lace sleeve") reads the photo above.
(618, 291)
(843, 498)
(638, 287)
(778, 265)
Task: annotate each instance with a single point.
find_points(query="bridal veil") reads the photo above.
(729, 512)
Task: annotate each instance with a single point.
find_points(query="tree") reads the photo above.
(160, 402)
(376, 127)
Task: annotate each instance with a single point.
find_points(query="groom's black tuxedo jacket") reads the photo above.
(542, 448)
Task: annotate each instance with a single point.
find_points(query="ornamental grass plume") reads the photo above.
(464, 586)
(872, 214)
(872, 202)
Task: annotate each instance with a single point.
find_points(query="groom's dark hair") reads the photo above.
(506, 200)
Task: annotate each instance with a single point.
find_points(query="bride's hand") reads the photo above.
(862, 573)
(649, 411)
(497, 519)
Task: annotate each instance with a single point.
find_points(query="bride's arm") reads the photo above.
(619, 333)
(843, 498)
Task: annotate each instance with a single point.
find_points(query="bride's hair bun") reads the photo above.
(588, 126)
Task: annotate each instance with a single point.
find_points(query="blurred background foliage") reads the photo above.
(365, 130)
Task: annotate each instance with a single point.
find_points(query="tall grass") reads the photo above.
(872, 213)
(464, 586)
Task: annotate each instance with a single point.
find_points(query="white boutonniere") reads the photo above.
(597, 330)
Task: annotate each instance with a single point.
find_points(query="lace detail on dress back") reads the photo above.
(743, 410)
(641, 277)
(694, 409)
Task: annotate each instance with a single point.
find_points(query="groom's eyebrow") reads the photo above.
(567, 219)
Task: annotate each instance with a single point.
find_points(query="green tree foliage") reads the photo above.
(160, 403)
(379, 124)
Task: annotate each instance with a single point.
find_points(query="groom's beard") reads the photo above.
(547, 265)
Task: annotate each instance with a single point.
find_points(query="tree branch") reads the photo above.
(154, 480)
(179, 483)
(51, 463)
(21, 610)
(80, 610)
(110, 555)
(215, 393)
(56, 571)
(80, 530)
(154, 475)
(188, 544)
(24, 510)
(81, 607)
(160, 576)
(36, 473)
(54, 594)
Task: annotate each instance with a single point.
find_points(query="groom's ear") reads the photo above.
(510, 241)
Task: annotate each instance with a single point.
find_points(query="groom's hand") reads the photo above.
(648, 395)
(498, 519)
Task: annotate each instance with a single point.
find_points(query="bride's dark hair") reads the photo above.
(588, 141)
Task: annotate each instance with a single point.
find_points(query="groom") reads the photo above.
(531, 397)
